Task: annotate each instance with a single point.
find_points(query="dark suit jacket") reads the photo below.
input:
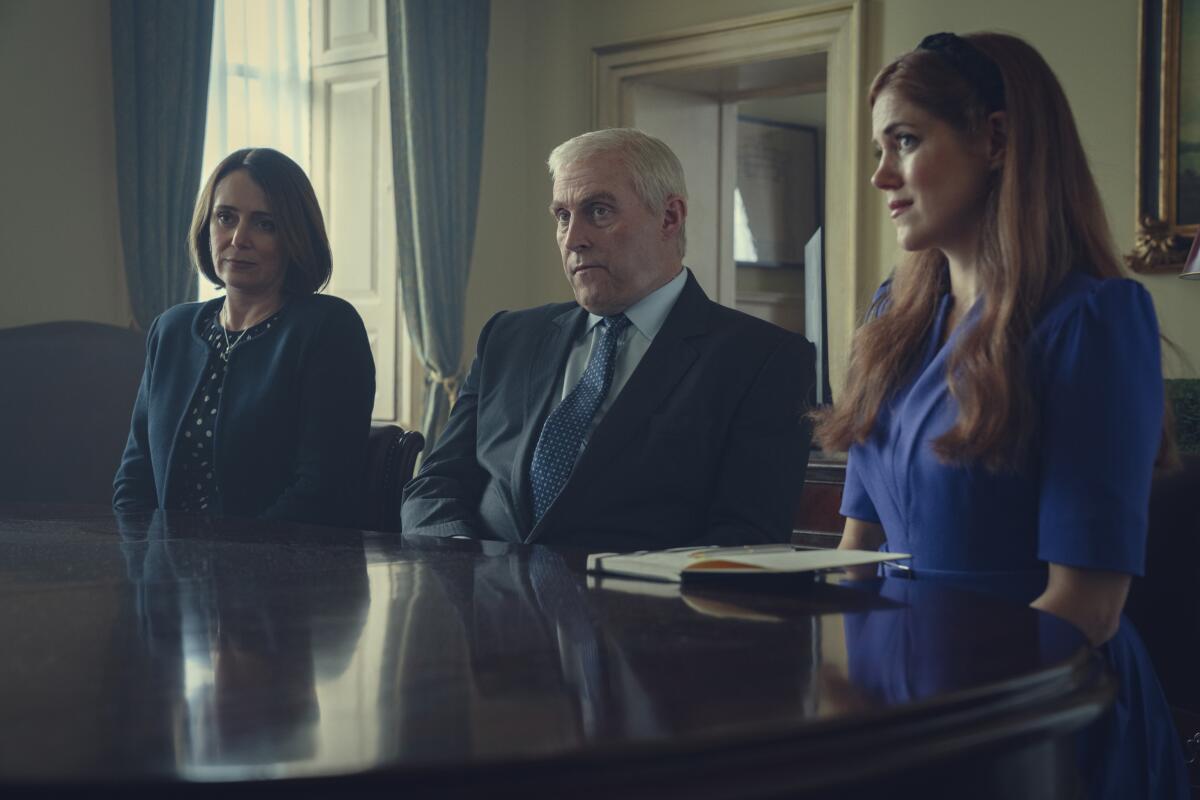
(705, 443)
(292, 423)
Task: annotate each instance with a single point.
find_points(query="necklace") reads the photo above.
(228, 344)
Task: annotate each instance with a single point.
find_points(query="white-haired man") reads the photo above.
(641, 416)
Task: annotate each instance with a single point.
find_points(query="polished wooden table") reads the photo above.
(172, 653)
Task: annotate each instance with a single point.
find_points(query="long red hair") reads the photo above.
(1043, 219)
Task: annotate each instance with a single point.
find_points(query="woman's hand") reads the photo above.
(1090, 599)
(860, 535)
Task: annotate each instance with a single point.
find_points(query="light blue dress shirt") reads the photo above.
(646, 317)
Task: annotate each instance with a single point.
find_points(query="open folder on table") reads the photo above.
(742, 564)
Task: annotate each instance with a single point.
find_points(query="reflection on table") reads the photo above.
(157, 648)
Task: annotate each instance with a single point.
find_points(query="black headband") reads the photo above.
(967, 59)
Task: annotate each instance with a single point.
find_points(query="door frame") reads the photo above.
(835, 28)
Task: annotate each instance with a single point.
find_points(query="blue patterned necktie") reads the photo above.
(567, 426)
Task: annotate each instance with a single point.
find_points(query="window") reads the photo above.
(259, 84)
(310, 80)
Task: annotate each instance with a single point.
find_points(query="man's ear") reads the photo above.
(997, 127)
(674, 215)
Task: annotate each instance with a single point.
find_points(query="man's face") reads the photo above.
(615, 251)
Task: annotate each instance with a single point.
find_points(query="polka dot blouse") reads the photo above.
(194, 483)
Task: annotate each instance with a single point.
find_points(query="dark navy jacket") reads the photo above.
(704, 444)
(292, 422)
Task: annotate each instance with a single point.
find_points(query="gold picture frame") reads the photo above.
(1168, 165)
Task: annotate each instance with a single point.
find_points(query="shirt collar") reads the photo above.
(648, 314)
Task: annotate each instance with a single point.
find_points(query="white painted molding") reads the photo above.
(836, 28)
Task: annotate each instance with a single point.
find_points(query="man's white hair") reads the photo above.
(653, 167)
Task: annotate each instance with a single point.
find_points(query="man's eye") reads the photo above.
(906, 141)
(563, 217)
(601, 212)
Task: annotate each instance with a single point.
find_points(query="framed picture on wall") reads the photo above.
(1168, 167)
(777, 201)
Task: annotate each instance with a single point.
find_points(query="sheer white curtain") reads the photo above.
(259, 84)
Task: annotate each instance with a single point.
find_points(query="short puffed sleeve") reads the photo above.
(1101, 399)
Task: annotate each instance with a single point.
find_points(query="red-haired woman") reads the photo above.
(1004, 403)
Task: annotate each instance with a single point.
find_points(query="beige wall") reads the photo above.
(539, 94)
(1097, 65)
(59, 241)
(58, 217)
(547, 72)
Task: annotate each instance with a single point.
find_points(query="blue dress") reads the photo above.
(1095, 372)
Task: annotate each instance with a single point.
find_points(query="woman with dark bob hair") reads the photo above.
(1004, 404)
(257, 404)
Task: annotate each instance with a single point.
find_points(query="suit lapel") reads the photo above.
(669, 358)
(548, 357)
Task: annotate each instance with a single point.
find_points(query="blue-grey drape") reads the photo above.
(437, 76)
(160, 62)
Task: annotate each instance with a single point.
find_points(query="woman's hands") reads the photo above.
(1090, 599)
(860, 535)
